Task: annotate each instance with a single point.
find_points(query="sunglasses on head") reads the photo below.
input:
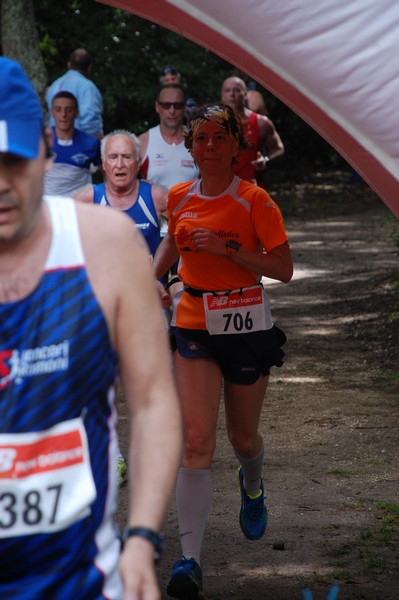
(168, 71)
(168, 105)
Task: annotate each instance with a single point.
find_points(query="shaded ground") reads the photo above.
(330, 419)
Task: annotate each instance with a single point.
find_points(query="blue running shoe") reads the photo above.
(185, 582)
(253, 512)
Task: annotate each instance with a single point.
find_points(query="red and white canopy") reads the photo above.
(334, 62)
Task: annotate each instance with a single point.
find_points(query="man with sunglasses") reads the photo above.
(165, 159)
(170, 74)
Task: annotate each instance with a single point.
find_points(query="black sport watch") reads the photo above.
(156, 539)
(232, 247)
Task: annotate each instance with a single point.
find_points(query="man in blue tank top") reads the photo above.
(77, 300)
(142, 201)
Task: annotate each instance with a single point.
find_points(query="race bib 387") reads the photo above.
(46, 482)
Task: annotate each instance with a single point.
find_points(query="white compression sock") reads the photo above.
(252, 470)
(193, 496)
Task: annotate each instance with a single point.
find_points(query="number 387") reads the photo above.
(29, 508)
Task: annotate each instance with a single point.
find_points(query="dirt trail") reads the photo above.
(330, 421)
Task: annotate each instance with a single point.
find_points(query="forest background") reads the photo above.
(334, 461)
(128, 54)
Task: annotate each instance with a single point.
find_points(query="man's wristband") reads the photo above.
(154, 538)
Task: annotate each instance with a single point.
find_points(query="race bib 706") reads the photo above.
(238, 311)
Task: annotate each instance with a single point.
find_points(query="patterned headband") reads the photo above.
(222, 117)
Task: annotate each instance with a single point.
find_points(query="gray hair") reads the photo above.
(129, 134)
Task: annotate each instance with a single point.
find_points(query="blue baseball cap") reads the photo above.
(21, 114)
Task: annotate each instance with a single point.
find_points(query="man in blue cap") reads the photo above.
(76, 297)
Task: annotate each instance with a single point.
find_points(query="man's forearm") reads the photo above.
(154, 458)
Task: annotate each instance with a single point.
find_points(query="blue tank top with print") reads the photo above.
(58, 442)
(142, 212)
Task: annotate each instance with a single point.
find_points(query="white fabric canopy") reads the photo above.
(333, 62)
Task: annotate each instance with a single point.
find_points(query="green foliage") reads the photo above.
(129, 52)
(379, 543)
(386, 378)
(393, 224)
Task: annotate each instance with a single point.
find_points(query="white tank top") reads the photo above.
(166, 164)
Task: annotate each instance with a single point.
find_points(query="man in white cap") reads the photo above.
(76, 297)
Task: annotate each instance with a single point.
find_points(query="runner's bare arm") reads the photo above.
(166, 256)
(156, 438)
(276, 264)
(143, 144)
(270, 138)
(121, 276)
(84, 194)
(160, 197)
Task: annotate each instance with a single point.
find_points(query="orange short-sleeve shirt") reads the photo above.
(244, 213)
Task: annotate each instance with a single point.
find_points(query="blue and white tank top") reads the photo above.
(142, 212)
(58, 439)
(72, 159)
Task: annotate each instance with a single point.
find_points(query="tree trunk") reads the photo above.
(20, 41)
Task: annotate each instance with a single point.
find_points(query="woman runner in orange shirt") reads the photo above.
(227, 233)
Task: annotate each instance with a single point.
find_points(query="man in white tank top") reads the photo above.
(164, 157)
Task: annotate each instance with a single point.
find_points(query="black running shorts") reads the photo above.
(242, 358)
